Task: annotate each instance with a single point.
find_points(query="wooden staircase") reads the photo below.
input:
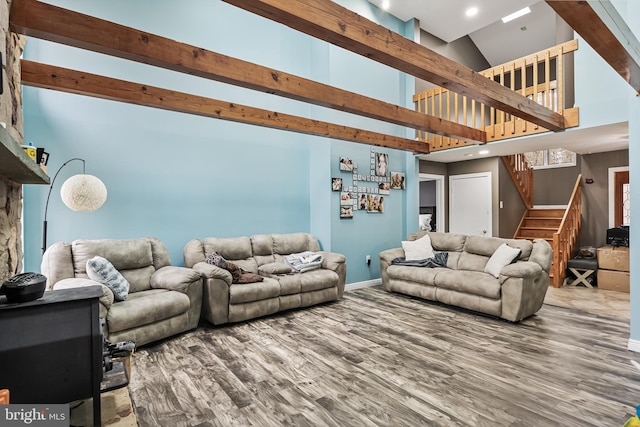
(539, 223)
(560, 227)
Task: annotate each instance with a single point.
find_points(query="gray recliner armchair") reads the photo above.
(163, 300)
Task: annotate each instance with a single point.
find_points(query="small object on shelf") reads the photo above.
(24, 287)
(31, 151)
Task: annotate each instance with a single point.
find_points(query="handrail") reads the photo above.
(565, 238)
(544, 86)
(521, 175)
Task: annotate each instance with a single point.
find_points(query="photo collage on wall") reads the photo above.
(366, 192)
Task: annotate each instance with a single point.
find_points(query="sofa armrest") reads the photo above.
(521, 269)
(210, 271)
(332, 260)
(542, 253)
(391, 254)
(106, 300)
(174, 278)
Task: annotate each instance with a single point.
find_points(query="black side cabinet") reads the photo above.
(51, 348)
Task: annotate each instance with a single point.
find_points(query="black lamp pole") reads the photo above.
(46, 207)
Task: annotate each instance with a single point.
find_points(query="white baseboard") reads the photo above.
(634, 345)
(360, 285)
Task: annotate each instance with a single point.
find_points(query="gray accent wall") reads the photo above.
(595, 197)
(513, 207)
(553, 186)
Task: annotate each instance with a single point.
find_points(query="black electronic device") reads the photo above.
(24, 287)
(618, 236)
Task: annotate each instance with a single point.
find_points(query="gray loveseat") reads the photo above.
(517, 293)
(225, 302)
(163, 300)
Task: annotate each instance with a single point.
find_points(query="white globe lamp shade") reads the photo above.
(83, 193)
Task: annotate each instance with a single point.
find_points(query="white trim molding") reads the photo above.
(360, 285)
(634, 345)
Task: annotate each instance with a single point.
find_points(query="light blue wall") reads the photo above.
(178, 176)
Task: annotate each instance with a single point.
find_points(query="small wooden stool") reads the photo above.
(583, 269)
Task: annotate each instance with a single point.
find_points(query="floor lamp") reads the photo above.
(81, 193)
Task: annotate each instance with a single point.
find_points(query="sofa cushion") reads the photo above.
(274, 268)
(249, 292)
(285, 244)
(231, 248)
(449, 242)
(262, 244)
(143, 308)
(486, 246)
(472, 262)
(123, 254)
(289, 284)
(502, 257)
(318, 279)
(102, 271)
(418, 249)
(414, 274)
(470, 282)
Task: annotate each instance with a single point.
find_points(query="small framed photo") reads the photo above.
(346, 199)
(336, 184)
(346, 164)
(383, 188)
(382, 164)
(346, 211)
(397, 181)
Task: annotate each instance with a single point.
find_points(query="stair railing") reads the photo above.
(564, 240)
(521, 175)
(539, 77)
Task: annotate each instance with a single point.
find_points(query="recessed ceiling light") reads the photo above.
(515, 15)
(386, 4)
(472, 11)
(483, 152)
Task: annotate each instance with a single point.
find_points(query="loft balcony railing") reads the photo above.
(546, 68)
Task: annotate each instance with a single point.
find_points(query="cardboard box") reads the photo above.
(613, 280)
(613, 258)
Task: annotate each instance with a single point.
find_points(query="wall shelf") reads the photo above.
(16, 165)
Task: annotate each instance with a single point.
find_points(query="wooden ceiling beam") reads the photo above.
(340, 26)
(600, 24)
(62, 79)
(49, 22)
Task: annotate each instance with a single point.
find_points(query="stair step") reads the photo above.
(549, 213)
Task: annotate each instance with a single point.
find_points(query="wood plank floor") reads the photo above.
(381, 359)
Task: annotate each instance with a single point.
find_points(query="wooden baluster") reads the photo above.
(560, 81)
(492, 118)
(535, 83)
(523, 76)
(513, 88)
(464, 110)
(547, 80)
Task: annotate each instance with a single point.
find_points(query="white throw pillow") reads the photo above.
(502, 257)
(102, 271)
(418, 249)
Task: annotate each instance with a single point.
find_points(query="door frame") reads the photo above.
(612, 173)
(439, 179)
(489, 188)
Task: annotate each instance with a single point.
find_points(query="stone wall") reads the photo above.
(11, 46)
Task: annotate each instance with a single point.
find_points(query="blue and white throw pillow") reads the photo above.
(102, 271)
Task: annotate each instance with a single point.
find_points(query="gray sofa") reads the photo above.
(225, 302)
(517, 293)
(163, 300)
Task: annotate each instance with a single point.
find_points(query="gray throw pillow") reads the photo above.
(102, 271)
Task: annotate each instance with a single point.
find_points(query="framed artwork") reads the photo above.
(397, 181)
(346, 211)
(373, 203)
(382, 164)
(346, 164)
(336, 184)
(362, 202)
(383, 188)
(346, 199)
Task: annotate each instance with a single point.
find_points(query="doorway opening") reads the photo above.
(431, 203)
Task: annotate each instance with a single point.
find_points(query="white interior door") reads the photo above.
(470, 204)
